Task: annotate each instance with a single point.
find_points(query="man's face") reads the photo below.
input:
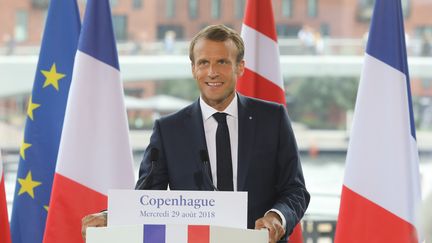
(216, 71)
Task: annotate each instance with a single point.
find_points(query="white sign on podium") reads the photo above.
(128, 207)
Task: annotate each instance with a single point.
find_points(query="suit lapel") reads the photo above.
(246, 126)
(195, 127)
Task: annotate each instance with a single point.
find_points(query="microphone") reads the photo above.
(146, 183)
(206, 168)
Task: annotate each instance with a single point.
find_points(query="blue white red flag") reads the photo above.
(94, 153)
(381, 198)
(174, 234)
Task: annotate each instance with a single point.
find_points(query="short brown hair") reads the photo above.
(218, 33)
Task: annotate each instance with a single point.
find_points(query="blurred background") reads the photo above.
(321, 45)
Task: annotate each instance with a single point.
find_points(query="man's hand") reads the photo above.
(93, 220)
(273, 223)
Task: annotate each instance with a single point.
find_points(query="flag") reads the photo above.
(45, 113)
(262, 77)
(381, 190)
(172, 233)
(4, 220)
(95, 153)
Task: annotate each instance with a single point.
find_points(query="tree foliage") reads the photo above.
(182, 88)
(322, 102)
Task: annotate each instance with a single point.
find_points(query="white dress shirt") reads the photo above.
(210, 126)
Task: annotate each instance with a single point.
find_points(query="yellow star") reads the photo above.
(28, 184)
(23, 148)
(46, 207)
(31, 106)
(52, 77)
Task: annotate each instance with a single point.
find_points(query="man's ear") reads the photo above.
(193, 70)
(240, 68)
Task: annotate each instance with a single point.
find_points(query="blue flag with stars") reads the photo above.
(45, 114)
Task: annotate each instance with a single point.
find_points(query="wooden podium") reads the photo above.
(174, 234)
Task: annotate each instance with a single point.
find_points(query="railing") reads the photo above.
(328, 46)
(318, 230)
(317, 227)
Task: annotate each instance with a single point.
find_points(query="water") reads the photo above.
(323, 176)
(324, 179)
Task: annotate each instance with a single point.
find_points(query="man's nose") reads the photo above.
(212, 72)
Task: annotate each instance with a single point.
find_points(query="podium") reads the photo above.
(174, 234)
(176, 217)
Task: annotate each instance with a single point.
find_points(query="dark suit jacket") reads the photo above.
(268, 161)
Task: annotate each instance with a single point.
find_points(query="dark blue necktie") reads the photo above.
(223, 154)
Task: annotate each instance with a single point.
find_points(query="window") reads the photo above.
(287, 8)
(365, 10)
(113, 3)
(426, 83)
(137, 4)
(287, 31)
(406, 8)
(239, 8)
(21, 26)
(120, 27)
(325, 29)
(193, 9)
(312, 8)
(216, 9)
(164, 28)
(40, 4)
(366, 7)
(170, 9)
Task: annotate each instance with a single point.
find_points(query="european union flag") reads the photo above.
(45, 113)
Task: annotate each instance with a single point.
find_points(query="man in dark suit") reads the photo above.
(259, 154)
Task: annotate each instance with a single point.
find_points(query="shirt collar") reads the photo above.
(208, 111)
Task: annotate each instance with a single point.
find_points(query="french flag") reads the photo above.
(4, 220)
(381, 196)
(172, 233)
(262, 77)
(94, 153)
